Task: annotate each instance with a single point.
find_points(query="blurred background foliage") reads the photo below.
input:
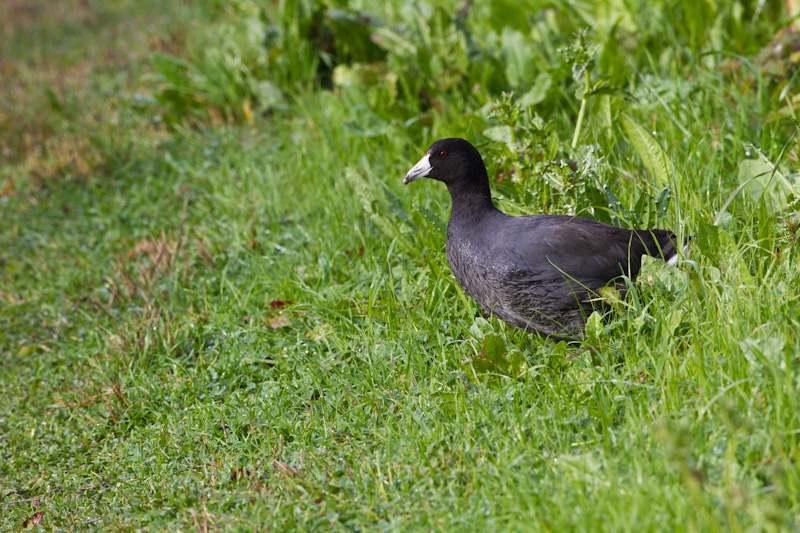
(521, 78)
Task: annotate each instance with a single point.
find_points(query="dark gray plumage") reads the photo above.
(538, 272)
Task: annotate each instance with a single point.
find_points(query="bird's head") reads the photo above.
(452, 161)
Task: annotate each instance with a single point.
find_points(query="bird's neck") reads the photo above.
(471, 201)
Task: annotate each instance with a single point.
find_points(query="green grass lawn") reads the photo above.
(221, 310)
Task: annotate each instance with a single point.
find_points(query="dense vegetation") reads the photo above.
(220, 309)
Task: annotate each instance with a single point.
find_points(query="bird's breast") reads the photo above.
(476, 268)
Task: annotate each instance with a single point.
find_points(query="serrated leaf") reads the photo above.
(648, 148)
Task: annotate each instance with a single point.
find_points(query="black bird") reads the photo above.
(538, 273)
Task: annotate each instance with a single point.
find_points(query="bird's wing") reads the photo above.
(579, 248)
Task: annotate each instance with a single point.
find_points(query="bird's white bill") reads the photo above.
(420, 170)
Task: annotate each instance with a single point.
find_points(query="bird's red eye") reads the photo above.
(442, 154)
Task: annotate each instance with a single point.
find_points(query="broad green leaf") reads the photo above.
(648, 148)
(538, 91)
(516, 48)
(656, 273)
(511, 13)
(603, 110)
(766, 352)
(760, 178)
(497, 358)
(480, 328)
(707, 236)
(500, 134)
(494, 348)
(595, 327)
(610, 295)
(717, 244)
(672, 321)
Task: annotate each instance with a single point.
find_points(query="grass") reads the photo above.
(220, 309)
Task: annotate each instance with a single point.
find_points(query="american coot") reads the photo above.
(539, 273)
